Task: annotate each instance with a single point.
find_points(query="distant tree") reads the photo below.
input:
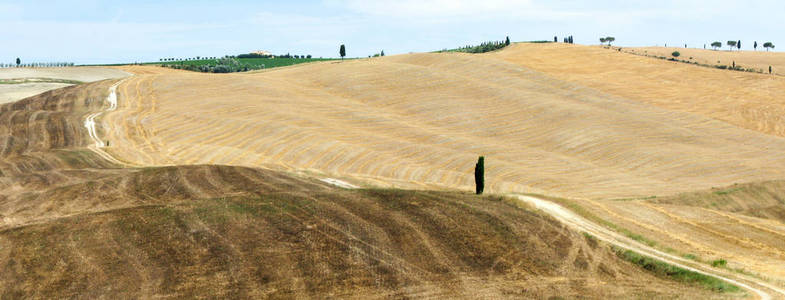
(603, 40)
(555, 39)
(479, 175)
(18, 61)
(769, 69)
(382, 53)
(755, 46)
(738, 45)
(676, 54)
(731, 45)
(610, 40)
(308, 56)
(507, 41)
(716, 45)
(766, 45)
(342, 51)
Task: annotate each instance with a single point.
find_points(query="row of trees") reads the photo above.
(567, 40)
(737, 45)
(185, 59)
(246, 55)
(485, 47)
(19, 64)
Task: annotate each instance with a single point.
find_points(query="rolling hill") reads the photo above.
(217, 192)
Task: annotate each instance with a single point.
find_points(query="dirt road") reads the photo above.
(89, 123)
(761, 289)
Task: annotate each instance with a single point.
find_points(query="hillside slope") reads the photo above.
(239, 232)
(421, 120)
(73, 225)
(747, 100)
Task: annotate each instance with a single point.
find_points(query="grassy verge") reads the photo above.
(675, 273)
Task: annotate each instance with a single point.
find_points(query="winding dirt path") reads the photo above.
(89, 123)
(761, 289)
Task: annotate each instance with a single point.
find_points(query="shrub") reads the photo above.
(676, 54)
(719, 263)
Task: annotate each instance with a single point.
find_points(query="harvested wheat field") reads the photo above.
(73, 224)
(234, 232)
(183, 184)
(421, 120)
(585, 123)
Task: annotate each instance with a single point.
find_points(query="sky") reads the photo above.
(95, 32)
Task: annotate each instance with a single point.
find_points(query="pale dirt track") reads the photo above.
(761, 289)
(89, 124)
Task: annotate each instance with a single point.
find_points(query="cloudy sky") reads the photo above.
(92, 31)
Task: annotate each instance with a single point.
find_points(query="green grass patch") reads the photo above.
(719, 263)
(691, 257)
(675, 273)
(728, 191)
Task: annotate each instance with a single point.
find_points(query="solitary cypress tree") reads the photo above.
(18, 61)
(738, 45)
(479, 175)
(507, 41)
(342, 51)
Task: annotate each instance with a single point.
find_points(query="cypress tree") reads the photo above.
(342, 51)
(479, 175)
(507, 41)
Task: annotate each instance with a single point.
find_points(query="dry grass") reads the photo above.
(244, 233)
(421, 120)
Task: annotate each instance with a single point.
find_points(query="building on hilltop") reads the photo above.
(263, 53)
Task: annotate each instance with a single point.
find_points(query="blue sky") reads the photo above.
(93, 31)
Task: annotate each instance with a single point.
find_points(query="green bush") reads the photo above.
(719, 263)
(676, 54)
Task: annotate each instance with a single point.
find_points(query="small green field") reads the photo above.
(255, 62)
(229, 65)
